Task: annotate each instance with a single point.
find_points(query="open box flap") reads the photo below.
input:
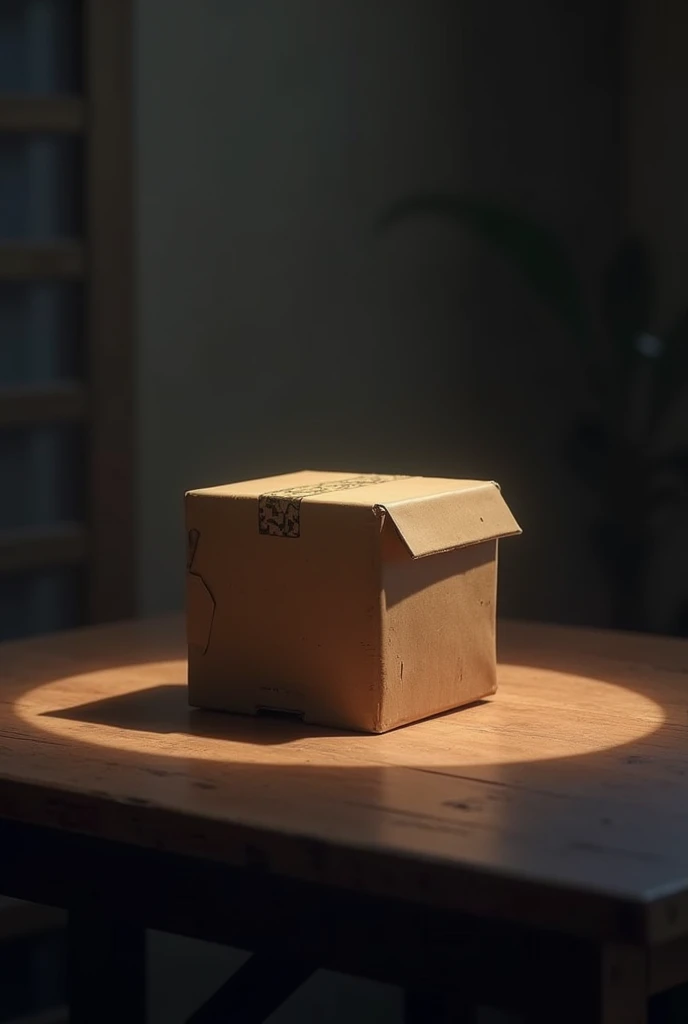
(453, 519)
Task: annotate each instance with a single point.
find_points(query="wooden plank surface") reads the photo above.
(62, 114)
(560, 802)
(48, 403)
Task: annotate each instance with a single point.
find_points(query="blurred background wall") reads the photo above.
(276, 325)
(279, 329)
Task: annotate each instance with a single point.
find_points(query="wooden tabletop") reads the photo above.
(561, 802)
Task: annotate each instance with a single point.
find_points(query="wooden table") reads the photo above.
(529, 851)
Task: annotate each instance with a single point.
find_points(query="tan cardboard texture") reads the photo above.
(356, 601)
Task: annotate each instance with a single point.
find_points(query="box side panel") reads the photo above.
(296, 621)
(438, 632)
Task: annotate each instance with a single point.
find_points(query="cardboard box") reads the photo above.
(357, 601)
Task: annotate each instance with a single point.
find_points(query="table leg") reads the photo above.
(607, 986)
(107, 966)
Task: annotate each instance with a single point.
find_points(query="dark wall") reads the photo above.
(279, 330)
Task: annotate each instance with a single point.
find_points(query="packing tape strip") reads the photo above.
(279, 513)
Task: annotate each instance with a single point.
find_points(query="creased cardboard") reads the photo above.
(351, 600)
(431, 524)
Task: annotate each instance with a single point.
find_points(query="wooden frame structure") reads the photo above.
(103, 261)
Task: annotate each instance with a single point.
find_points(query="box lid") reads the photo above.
(452, 519)
(431, 514)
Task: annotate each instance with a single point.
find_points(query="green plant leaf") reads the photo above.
(533, 251)
(671, 371)
(628, 296)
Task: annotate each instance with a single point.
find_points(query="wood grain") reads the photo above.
(559, 803)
